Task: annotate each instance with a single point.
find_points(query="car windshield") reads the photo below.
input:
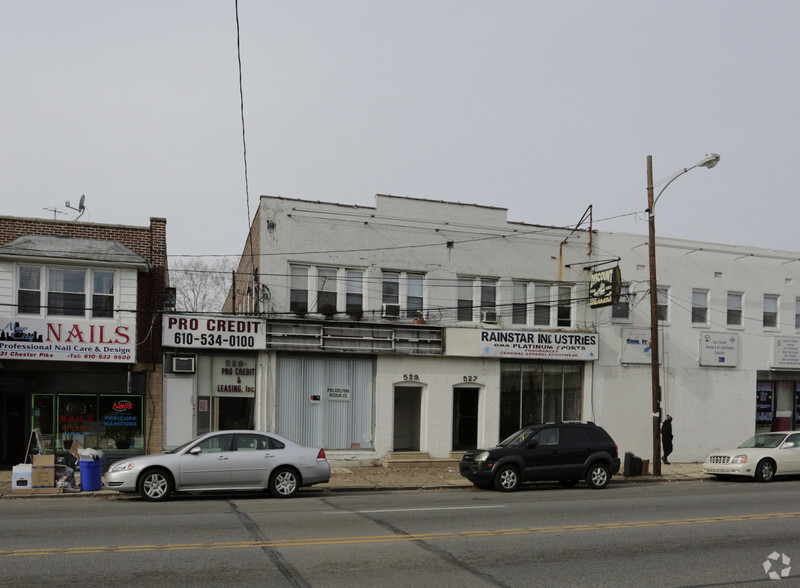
(766, 440)
(517, 438)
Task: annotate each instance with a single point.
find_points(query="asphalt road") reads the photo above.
(676, 534)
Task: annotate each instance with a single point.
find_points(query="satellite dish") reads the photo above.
(81, 206)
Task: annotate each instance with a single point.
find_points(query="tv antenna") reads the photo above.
(81, 206)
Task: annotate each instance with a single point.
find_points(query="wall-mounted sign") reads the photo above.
(604, 287)
(785, 353)
(764, 412)
(233, 375)
(719, 349)
(339, 393)
(67, 340)
(539, 344)
(635, 346)
(214, 332)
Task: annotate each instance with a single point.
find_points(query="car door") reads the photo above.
(251, 462)
(543, 459)
(207, 463)
(576, 447)
(788, 456)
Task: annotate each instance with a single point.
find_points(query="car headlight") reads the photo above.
(121, 466)
(482, 456)
(739, 458)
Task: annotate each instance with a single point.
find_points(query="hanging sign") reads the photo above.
(214, 332)
(604, 287)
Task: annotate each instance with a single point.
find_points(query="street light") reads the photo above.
(708, 161)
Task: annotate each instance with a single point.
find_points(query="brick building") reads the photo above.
(80, 335)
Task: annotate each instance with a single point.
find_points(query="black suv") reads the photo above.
(566, 452)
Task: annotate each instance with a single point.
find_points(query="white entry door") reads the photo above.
(178, 411)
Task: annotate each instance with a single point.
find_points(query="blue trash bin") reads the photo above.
(91, 475)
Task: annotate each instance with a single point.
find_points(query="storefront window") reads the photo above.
(538, 392)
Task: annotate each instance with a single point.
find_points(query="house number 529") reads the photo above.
(411, 377)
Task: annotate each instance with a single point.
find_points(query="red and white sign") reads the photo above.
(214, 332)
(67, 340)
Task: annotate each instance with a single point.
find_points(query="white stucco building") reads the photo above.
(419, 325)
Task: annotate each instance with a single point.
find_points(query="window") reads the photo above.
(662, 311)
(29, 296)
(797, 313)
(326, 291)
(564, 306)
(621, 310)
(700, 306)
(69, 291)
(355, 298)
(734, 317)
(770, 311)
(103, 295)
(414, 300)
(541, 305)
(391, 288)
(519, 308)
(405, 290)
(298, 289)
(488, 295)
(66, 292)
(464, 299)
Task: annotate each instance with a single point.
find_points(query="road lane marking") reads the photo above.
(274, 543)
(433, 508)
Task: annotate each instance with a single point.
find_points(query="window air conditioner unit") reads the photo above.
(489, 316)
(391, 311)
(183, 365)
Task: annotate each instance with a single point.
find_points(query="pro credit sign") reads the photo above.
(214, 332)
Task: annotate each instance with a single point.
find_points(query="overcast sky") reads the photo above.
(543, 108)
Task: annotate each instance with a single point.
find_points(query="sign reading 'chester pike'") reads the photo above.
(66, 340)
(539, 344)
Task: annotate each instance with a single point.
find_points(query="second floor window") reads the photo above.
(564, 306)
(464, 312)
(734, 314)
(770, 317)
(662, 311)
(700, 306)
(326, 290)
(541, 305)
(519, 309)
(414, 300)
(65, 292)
(298, 289)
(621, 310)
(355, 292)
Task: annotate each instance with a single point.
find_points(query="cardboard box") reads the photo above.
(44, 471)
(22, 477)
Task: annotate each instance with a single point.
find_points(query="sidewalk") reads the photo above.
(410, 478)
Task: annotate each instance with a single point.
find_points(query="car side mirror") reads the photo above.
(532, 444)
(195, 450)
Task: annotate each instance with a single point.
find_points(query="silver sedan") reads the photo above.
(223, 460)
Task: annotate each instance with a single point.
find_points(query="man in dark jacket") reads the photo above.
(666, 438)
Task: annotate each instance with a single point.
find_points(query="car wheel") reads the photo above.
(507, 479)
(765, 470)
(284, 483)
(568, 483)
(597, 477)
(155, 485)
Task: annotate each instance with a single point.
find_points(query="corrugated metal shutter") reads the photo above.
(333, 424)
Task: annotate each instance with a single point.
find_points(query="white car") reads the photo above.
(223, 460)
(762, 457)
